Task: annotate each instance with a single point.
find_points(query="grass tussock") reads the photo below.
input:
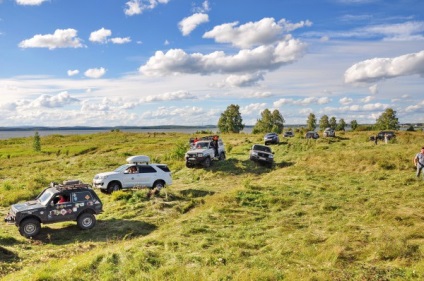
(338, 208)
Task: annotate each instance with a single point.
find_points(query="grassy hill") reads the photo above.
(331, 209)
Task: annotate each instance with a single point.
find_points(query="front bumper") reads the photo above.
(195, 160)
(9, 218)
(100, 185)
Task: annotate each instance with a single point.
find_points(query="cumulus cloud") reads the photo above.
(263, 32)
(373, 89)
(95, 72)
(120, 40)
(345, 101)
(61, 38)
(30, 2)
(367, 99)
(171, 96)
(100, 36)
(254, 108)
(136, 7)
(187, 25)
(244, 80)
(302, 102)
(261, 58)
(383, 68)
(73, 72)
(58, 100)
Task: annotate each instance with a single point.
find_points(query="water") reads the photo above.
(30, 133)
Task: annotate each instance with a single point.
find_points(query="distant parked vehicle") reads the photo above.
(311, 135)
(288, 134)
(203, 152)
(271, 138)
(328, 132)
(390, 135)
(262, 154)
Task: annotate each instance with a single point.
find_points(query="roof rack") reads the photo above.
(70, 184)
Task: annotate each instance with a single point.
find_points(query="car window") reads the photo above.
(146, 169)
(82, 196)
(163, 168)
(45, 197)
(121, 169)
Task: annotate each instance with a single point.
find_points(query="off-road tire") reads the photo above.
(29, 228)
(222, 156)
(189, 165)
(86, 221)
(113, 186)
(207, 162)
(158, 185)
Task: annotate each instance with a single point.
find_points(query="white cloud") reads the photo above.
(302, 102)
(367, 99)
(73, 72)
(58, 100)
(383, 68)
(30, 2)
(245, 80)
(171, 96)
(187, 25)
(266, 31)
(373, 89)
(136, 7)
(253, 109)
(345, 101)
(61, 38)
(100, 36)
(261, 58)
(95, 72)
(120, 40)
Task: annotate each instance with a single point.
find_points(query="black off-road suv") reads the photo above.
(70, 201)
(262, 154)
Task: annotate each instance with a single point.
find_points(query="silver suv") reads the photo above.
(138, 173)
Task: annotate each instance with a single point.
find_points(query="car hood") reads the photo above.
(197, 150)
(27, 206)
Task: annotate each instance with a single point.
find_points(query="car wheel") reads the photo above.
(207, 163)
(29, 228)
(158, 185)
(189, 165)
(86, 221)
(222, 156)
(114, 186)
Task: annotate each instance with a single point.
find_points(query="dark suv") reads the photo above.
(70, 201)
(271, 138)
(390, 135)
(262, 154)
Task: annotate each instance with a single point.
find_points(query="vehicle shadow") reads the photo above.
(235, 166)
(105, 230)
(195, 193)
(7, 256)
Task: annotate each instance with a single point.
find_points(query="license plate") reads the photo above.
(262, 158)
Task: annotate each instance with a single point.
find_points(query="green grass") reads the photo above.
(331, 209)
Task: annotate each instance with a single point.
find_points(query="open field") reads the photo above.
(332, 209)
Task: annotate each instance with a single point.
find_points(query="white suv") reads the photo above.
(137, 173)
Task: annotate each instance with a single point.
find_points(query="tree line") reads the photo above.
(231, 121)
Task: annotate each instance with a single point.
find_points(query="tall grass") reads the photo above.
(330, 209)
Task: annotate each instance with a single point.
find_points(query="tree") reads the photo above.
(333, 123)
(269, 122)
(342, 125)
(323, 122)
(37, 143)
(311, 123)
(354, 124)
(387, 120)
(230, 120)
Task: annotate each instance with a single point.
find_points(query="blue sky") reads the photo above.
(180, 62)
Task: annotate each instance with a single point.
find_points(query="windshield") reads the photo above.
(45, 197)
(202, 145)
(262, 148)
(122, 168)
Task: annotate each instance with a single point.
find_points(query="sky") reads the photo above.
(181, 62)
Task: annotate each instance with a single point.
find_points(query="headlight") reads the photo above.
(254, 153)
(271, 156)
(101, 177)
(199, 154)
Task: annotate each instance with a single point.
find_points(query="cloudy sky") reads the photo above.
(183, 62)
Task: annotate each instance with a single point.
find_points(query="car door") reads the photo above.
(148, 175)
(131, 180)
(61, 211)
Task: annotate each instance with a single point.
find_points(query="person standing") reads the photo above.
(419, 161)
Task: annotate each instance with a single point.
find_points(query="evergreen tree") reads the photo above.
(230, 120)
(354, 124)
(342, 125)
(323, 122)
(269, 122)
(311, 123)
(387, 120)
(37, 142)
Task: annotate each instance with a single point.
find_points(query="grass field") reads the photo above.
(331, 209)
